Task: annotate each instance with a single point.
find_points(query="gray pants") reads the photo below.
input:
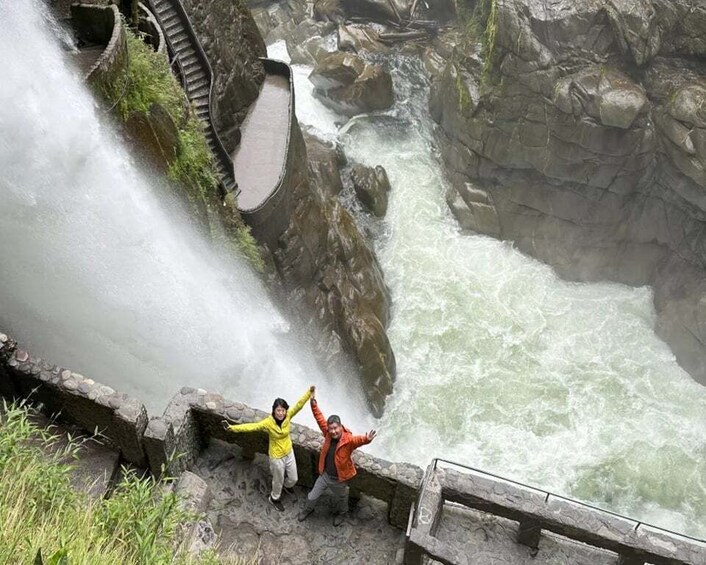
(338, 490)
(279, 467)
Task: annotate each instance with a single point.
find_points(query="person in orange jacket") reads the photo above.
(336, 467)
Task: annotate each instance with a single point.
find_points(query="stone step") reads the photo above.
(198, 92)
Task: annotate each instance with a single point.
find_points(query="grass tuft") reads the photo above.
(150, 81)
(41, 514)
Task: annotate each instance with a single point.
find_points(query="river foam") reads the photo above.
(503, 366)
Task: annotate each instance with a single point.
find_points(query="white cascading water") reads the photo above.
(101, 274)
(503, 366)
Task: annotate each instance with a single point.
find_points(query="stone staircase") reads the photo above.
(197, 78)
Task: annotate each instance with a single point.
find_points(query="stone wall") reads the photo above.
(194, 416)
(171, 443)
(94, 407)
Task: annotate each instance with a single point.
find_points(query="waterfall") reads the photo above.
(503, 366)
(102, 273)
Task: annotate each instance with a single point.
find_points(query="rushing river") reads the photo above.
(505, 367)
(501, 365)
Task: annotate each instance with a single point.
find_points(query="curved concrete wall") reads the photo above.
(102, 25)
(271, 218)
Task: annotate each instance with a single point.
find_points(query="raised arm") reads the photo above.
(319, 416)
(294, 410)
(365, 439)
(250, 427)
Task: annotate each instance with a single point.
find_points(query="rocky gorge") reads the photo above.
(323, 263)
(573, 129)
(501, 364)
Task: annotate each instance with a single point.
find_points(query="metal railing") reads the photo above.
(553, 522)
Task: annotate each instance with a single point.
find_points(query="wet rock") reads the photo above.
(325, 160)
(328, 11)
(564, 147)
(156, 134)
(378, 10)
(608, 96)
(358, 38)
(330, 273)
(371, 187)
(233, 51)
(337, 70)
(350, 86)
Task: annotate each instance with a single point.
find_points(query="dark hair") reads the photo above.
(277, 403)
(333, 419)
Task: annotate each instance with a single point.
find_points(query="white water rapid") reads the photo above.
(505, 367)
(100, 274)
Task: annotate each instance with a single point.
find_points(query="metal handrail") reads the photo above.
(221, 152)
(548, 494)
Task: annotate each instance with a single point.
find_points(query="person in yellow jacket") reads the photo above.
(283, 466)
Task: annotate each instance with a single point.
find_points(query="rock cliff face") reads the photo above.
(333, 275)
(583, 140)
(233, 46)
(330, 273)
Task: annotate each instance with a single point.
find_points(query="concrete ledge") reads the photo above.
(94, 407)
(194, 416)
(270, 218)
(536, 510)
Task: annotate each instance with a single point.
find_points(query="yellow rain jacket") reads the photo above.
(280, 442)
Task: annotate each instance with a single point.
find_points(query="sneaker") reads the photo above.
(276, 503)
(338, 519)
(304, 514)
(287, 490)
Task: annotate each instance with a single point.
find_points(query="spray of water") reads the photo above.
(505, 367)
(100, 273)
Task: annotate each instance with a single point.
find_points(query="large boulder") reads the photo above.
(358, 38)
(349, 85)
(378, 10)
(329, 11)
(325, 161)
(372, 187)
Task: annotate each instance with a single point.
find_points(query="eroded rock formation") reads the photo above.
(581, 138)
(330, 270)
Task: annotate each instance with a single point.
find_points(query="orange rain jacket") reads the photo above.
(344, 449)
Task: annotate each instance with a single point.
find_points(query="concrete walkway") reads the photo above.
(260, 157)
(249, 527)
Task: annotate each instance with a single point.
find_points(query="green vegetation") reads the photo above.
(149, 82)
(41, 513)
(464, 98)
(487, 17)
(479, 20)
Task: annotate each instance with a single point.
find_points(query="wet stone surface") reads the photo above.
(249, 527)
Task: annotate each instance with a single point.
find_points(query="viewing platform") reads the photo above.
(450, 514)
(263, 162)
